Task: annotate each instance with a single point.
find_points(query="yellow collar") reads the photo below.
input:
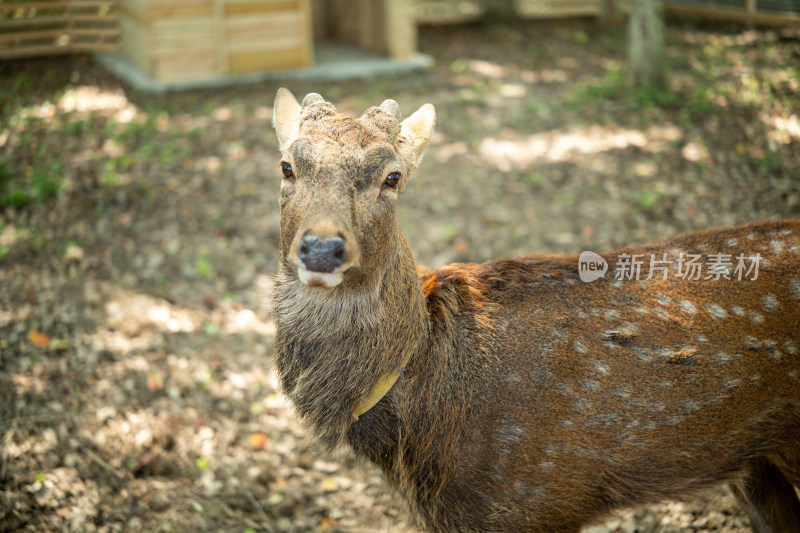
(380, 390)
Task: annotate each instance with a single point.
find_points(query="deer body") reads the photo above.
(518, 397)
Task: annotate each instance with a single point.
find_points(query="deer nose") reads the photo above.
(322, 254)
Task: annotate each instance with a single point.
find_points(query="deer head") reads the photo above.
(341, 181)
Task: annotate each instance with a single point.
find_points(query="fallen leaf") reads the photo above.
(59, 344)
(257, 440)
(326, 524)
(328, 484)
(38, 339)
(275, 499)
(155, 380)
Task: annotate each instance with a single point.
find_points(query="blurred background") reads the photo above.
(139, 217)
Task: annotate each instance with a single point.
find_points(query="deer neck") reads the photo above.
(339, 350)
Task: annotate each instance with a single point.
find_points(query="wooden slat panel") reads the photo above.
(105, 33)
(31, 35)
(59, 27)
(199, 64)
(92, 18)
(94, 47)
(400, 29)
(261, 7)
(307, 31)
(718, 13)
(179, 41)
(49, 20)
(191, 25)
(155, 5)
(93, 4)
(265, 61)
(265, 44)
(33, 5)
(555, 8)
(235, 25)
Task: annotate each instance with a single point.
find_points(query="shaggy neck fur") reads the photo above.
(335, 344)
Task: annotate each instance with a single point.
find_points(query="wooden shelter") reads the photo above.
(185, 40)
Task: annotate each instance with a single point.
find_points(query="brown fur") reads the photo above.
(532, 401)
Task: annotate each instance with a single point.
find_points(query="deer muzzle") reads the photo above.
(323, 255)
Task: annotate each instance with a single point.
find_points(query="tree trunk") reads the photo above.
(646, 43)
(609, 13)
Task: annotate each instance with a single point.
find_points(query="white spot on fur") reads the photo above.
(665, 384)
(660, 313)
(617, 284)
(777, 247)
(769, 303)
(611, 314)
(722, 357)
(555, 450)
(579, 346)
(511, 432)
(563, 389)
(790, 347)
(716, 311)
(630, 328)
(737, 310)
(319, 279)
(691, 405)
(663, 299)
(591, 384)
(546, 465)
(601, 367)
(792, 374)
(794, 285)
(786, 232)
(622, 391)
(700, 338)
(730, 243)
(756, 318)
(687, 307)
(730, 383)
(673, 419)
(582, 404)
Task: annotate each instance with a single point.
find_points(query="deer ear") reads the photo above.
(286, 117)
(417, 129)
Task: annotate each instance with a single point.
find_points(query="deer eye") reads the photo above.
(287, 171)
(393, 179)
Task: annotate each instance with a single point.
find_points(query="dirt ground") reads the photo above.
(137, 233)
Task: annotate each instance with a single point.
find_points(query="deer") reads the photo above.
(513, 395)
